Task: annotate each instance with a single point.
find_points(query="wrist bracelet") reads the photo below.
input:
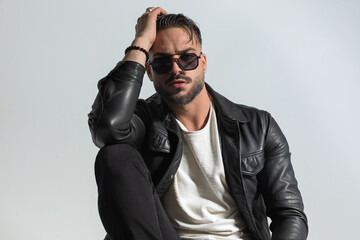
(138, 48)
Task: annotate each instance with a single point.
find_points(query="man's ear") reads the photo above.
(148, 71)
(204, 61)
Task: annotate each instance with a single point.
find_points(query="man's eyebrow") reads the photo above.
(163, 54)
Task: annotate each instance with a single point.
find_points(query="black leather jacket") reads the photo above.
(255, 152)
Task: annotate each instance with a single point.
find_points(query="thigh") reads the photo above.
(129, 206)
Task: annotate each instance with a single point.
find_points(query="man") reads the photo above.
(187, 163)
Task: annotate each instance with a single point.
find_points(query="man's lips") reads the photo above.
(178, 80)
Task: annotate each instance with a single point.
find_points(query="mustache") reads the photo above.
(179, 76)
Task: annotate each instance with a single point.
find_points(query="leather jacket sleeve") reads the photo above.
(112, 119)
(280, 190)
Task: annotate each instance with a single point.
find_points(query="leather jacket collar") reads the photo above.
(228, 109)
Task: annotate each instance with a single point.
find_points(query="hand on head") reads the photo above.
(145, 34)
(146, 27)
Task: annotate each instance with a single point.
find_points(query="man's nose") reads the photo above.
(175, 67)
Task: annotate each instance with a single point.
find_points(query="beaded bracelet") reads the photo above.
(138, 48)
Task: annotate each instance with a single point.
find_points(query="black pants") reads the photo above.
(129, 206)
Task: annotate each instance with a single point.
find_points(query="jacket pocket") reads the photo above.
(252, 163)
(158, 141)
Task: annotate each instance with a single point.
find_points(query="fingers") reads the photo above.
(150, 16)
(157, 11)
(146, 26)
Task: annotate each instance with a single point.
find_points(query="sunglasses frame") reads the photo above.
(177, 61)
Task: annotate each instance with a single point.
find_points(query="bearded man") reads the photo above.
(187, 163)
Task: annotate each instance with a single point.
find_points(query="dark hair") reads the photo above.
(181, 21)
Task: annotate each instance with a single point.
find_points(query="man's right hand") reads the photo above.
(145, 34)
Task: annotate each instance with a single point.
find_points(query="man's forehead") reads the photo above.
(174, 40)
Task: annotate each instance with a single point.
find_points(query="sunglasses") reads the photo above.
(186, 62)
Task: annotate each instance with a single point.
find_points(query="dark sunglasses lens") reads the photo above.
(162, 65)
(188, 61)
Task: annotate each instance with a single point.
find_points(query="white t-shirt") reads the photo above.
(198, 202)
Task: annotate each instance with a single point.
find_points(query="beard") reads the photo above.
(174, 98)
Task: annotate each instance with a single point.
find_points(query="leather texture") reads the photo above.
(255, 152)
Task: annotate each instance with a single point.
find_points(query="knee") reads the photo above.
(113, 160)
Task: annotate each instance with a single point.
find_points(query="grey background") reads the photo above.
(298, 60)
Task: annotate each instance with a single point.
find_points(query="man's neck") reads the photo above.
(193, 115)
